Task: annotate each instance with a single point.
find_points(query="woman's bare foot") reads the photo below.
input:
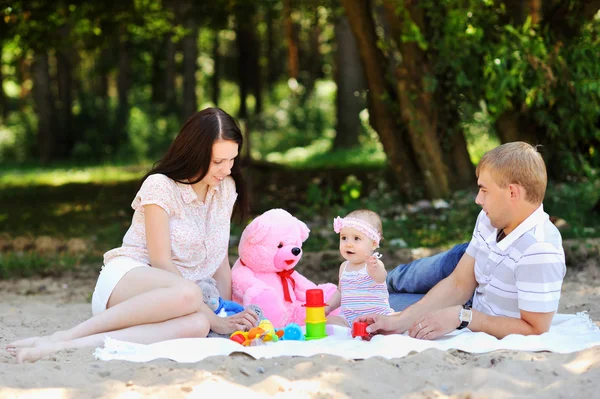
(22, 343)
(30, 355)
(37, 341)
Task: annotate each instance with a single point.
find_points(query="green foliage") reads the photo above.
(556, 85)
(28, 264)
(17, 136)
(149, 135)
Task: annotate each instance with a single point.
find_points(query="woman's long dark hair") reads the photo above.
(190, 153)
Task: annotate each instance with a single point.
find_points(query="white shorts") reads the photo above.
(110, 275)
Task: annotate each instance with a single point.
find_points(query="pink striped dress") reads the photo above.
(361, 295)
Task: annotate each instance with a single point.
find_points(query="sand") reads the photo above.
(40, 306)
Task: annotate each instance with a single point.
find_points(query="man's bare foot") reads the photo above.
(30, 355)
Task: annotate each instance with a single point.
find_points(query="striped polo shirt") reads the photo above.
(524, 271)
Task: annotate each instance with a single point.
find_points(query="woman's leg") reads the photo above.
(146, 295)
(408, 283)
(143, 295)
(195, 325)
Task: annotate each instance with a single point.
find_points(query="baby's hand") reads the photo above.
(372, 262)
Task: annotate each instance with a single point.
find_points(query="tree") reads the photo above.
(416, 99)
(291, 37)
(381, 96)
(540, 73)
(350, 81)
(190, 55)
(44, 107)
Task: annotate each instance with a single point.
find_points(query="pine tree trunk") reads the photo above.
(44, 107)
(123, 86)
(190, 55)
(101, 70)
(243, 64)
(350, 80)
(170, 72)
(3, 99)
(158, 73)
(381, 117)
(65, 96)
(292, 41)
(271, 60)
(216, 78)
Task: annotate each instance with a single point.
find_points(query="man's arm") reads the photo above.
(530, 323)
(456, 289)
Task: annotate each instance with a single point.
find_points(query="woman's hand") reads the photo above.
(242, 321)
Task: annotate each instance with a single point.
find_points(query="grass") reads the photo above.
(93, 204)
(58, 176)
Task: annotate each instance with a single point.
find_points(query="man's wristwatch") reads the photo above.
(465, 316)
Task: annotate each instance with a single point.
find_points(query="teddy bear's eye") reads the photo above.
(280, 245)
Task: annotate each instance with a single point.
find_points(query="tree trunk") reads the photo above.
(380, 115)
(458, 160)
(313, 67)
(190, 55)
(533, 8)
(512, 126)
(216, 78)
(170, 72)
(243, 64)
(101, 71)
(3, 99)
(248, 56)
(417, 104)
(291, 40)
(65, 95)
(123, 86)
(158, 73)
(271, 61)
(350, 80)
(564, 19)
(596, 207)
(44, 107)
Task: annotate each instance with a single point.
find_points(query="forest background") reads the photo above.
(384, 104)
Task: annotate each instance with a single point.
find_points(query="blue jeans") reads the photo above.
(408, 283)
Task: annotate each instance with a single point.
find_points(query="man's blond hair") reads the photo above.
(517, 163)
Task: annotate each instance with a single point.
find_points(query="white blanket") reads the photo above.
(568, 333)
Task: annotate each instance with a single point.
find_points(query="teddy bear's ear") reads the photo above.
(257, 232)
(304, 230)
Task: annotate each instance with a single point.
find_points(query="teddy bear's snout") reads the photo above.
(296, 251)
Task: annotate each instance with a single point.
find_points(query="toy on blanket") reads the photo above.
(213, 300)
(269, 249)
(359, 329)
(257, 335)
(266, 333)
(316, 322)
(220, 306)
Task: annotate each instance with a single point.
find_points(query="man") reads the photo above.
(512, 269)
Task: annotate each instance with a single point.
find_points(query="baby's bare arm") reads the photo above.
(376, 269)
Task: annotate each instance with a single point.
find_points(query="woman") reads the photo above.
(146, 291)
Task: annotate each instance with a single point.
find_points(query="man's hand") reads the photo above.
(436, 324)
(382, 324)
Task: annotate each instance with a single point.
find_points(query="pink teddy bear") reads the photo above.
(264, 275)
